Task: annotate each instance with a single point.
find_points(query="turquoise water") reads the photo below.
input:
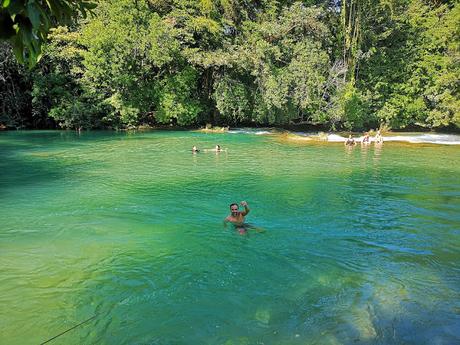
(361, 246)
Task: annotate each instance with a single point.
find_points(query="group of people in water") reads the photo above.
(366, 140)
(216, 149)
(378, 139)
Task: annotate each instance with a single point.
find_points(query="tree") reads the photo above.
(353, 64)
(15, 84)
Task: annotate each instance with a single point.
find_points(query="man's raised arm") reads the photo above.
(246, 208)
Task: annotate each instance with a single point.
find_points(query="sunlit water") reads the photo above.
(361, 245)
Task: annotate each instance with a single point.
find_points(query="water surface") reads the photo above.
(361, 246)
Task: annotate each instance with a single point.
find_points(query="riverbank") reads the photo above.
(306, 137)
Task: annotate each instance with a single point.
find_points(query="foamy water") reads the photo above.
(335, 138)
(412, 137)
(251, 131)
(444, 139)
(415, 138)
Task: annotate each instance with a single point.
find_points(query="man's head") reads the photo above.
(234, 209)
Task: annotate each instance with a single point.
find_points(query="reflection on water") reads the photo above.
(361, 245)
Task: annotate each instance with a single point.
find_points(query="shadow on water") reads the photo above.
(28, 171)
(35, 157)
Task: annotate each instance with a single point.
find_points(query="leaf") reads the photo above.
(56, 9)
(34, 14)
(46, 22)
(18, 48)
(90, 5)
(16, 7)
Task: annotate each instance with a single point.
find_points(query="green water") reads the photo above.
(361, 246)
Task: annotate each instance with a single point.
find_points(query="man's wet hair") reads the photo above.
(233, 204)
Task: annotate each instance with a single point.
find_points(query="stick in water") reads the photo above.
(81, 323)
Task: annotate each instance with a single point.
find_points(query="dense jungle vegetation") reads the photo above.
(355, 64)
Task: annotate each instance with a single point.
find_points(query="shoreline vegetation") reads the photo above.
(345, 66)
(209, 128)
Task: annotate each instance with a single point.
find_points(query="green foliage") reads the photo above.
(354, 109)
(187, 62)
(58, 90)
(26, 23)
(14, 92)
(411, 68)
(232, 100)
(437, 71)
(120, 114)
(177, 102)
(126, 45)
(282, 68)
(74, 114)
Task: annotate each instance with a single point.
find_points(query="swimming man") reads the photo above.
(236, 217)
